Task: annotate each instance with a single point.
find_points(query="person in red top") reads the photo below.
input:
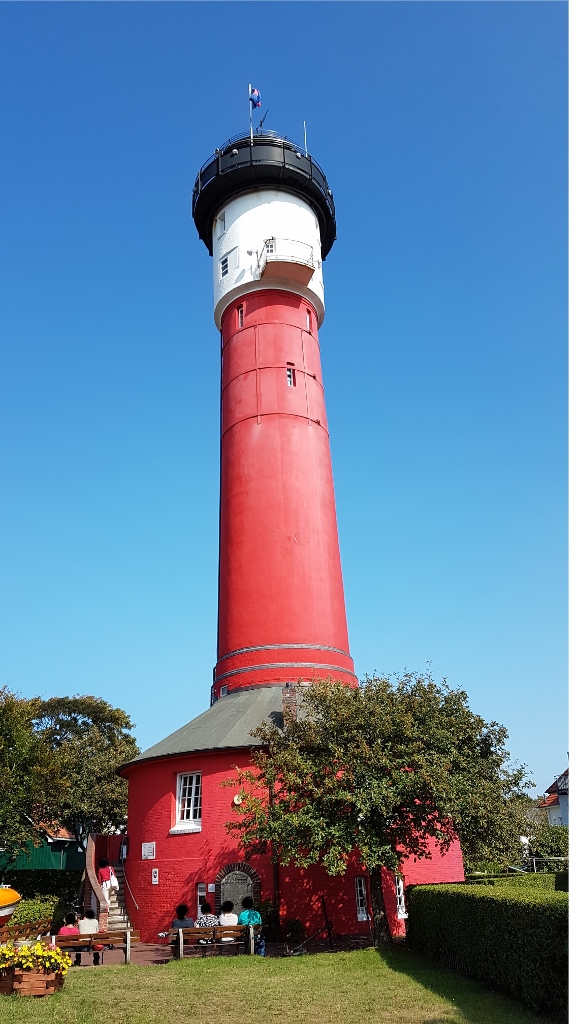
(69, 928)
(105, 876)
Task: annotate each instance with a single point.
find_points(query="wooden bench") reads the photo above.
(88, 943)
(212, 940)
(12, 932)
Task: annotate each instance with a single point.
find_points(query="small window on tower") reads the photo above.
(240, 316)
(291, 376)
(188, 803)
(270, 246)
(361, 902)
(223, 691)
(308, 320)
(223, 266)
(220, 225)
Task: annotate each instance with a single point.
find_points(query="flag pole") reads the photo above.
(305, 142)
(250, 109)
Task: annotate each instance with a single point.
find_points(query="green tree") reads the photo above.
(91, 739)
(550, 841)
(377, 772)
(32, 785)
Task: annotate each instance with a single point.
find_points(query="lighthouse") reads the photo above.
(265, 212)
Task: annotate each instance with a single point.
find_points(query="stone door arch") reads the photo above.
(234, 882)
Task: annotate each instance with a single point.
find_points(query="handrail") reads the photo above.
(128, 884)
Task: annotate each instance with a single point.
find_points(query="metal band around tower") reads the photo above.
(283, 664)
(287, 647)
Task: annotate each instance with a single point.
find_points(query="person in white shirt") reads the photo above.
(227, 917)
(89, 926)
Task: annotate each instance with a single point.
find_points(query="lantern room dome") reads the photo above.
(268, 160)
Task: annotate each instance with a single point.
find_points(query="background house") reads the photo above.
(556, 801)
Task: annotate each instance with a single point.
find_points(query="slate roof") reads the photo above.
(227, 724)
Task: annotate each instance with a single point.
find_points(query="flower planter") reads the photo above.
(30, 983)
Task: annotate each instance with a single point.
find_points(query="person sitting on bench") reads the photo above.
(250, 916)
(182, 920)
(207, 919)
(227, 917)
(69, 928)
(89, 926)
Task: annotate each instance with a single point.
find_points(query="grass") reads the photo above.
(361, 987)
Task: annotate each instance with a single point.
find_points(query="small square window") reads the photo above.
(223, 691)
(240, 316)
(270, 246)
(291, 376)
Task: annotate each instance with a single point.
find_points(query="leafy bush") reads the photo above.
(561, 881)
(34, 910)
(513, 938)
(550, 841)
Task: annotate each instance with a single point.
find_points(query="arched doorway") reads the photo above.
(236, 881)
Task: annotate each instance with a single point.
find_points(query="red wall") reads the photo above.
(185, 860)
(281, 597)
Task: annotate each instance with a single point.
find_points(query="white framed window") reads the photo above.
(270, 246)
(220, 225)
(240, 316)
(291, 376)
(188, 803)
(200, 897)
(223, 691)
(228, 262)
(308, 320)
(361, 900)
(401, 912)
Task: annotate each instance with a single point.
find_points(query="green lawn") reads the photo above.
(345, 988)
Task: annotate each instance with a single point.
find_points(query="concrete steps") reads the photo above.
(118, 919)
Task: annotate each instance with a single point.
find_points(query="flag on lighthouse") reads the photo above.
(255, 99)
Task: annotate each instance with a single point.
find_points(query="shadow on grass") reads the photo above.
(477, 1004)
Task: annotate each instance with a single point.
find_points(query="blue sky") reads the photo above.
(442, 130)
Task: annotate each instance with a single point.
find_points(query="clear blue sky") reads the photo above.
(442, 130)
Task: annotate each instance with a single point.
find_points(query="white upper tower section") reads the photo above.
(265, 212)
(268, 238)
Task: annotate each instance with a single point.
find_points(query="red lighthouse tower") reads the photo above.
(266, 214)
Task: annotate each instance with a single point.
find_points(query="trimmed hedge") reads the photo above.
(512, 938)
(530, 880)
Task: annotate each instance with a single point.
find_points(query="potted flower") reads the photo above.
(34, 969)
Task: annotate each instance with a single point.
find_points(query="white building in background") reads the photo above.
(556, 803)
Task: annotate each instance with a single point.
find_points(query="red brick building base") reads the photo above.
(184, 866)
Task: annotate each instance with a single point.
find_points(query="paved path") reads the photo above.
(145, 954)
